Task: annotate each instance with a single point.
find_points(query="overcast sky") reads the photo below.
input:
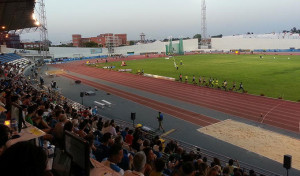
(159, 19)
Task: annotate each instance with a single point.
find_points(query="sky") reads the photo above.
(160, 19)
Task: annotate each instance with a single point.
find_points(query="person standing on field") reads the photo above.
(225, 85)
(194, 80)
(233, 86)
(186, 79)
(217, 83)
(200, 80)
(204, 81)
(160, 119)
(180, 77)
(241, 87)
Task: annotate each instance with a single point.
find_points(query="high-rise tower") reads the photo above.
(203, 21)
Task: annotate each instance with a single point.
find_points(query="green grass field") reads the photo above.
(279, 77)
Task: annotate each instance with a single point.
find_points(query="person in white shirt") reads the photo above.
(139, 161)
(109, 129)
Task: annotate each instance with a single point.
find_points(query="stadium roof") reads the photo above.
(16, 14)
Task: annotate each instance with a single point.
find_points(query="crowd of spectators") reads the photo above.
(126, 151)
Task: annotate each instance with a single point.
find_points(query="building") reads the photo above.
(102, 40)
(76, 39)
(31, 45)
(10, 40)
(271, 41)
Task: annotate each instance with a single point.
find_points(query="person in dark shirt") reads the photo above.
(125, 132)
(103, 150)
(23, 158)
(241, 87)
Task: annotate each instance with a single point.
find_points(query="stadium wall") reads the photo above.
(228, 43)
(159, 47)
(71, 52)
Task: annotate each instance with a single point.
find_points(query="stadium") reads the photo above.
(220, 105)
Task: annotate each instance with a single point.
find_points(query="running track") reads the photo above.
(278, 113)
(166, 108)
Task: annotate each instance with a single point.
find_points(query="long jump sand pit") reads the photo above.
(263, 142)
(55, 72)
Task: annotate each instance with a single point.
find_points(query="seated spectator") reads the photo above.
(112, 123)
(75, 122)
(237, 172)
(187, 169)
(4, 137)
(40, 123)
(203, 169)
(176, 156)
(252, 173)
(150, 160)
(125, 163)
(31, 112)
(226, 171)
(109, 129)
(213, 172)
(27, 100)
(86, 113)
(81, 129)
(129, 137)
(139, 161)
(55, 119)
(24, 159)
(146, 143)
(154, 140)
(94, 122)
(217, 161)
(115, 157)
(68, 126)
(103, 150)
(137, 139)
(100, 124)
(124, 133)
(159, 166)
(58, 131)
(231, 166)
(157, 148)
(117, 128)
(90, 139)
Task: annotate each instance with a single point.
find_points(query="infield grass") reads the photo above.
(279, 77)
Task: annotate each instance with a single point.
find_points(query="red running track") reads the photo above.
(278, 113)
(166, 108)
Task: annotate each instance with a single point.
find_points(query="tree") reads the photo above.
(90, 44)
(217, 36)
(294, 30)
(131, 42)
(198, 36)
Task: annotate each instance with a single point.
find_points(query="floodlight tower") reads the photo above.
(142, 35)
(44, 46)
(203, 21)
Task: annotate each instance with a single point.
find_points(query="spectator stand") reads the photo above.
(150, 134)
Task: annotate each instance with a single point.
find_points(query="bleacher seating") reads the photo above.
(77, 58)
(4, 58)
